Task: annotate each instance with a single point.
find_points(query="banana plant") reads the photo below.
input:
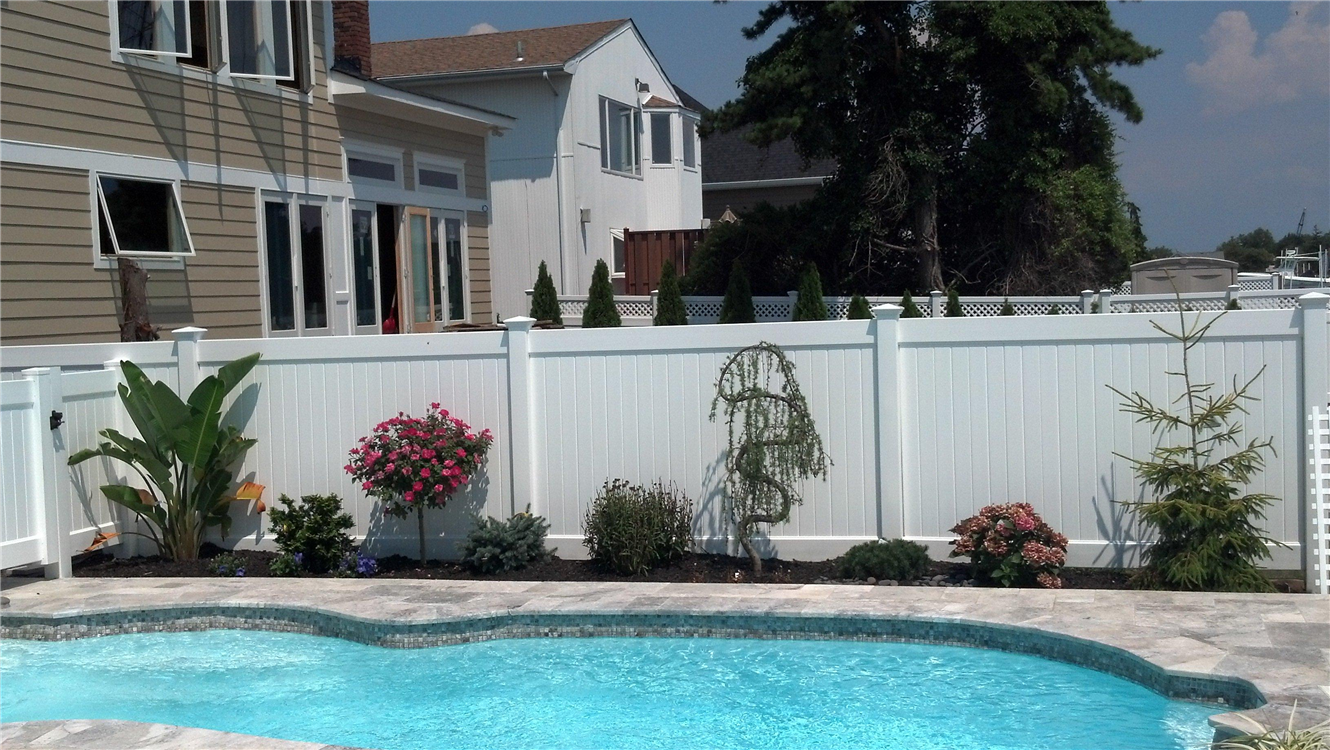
(184, 456)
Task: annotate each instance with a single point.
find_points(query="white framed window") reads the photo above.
(689, 142)
(661, 139)
(618, 254)
(374, 165)
(295, 265)
(152, 27)
(259, 36)
(620, 137)
(140, 218)
(439, 174)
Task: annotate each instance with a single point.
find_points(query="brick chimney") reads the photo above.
(351, 36)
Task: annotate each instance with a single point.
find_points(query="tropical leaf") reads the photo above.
(127, 496)
(196, 438)
(232, 373)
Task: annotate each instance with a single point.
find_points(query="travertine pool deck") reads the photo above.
(1279, 643)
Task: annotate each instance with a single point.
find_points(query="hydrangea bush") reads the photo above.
(1012, 546)
(414, 463)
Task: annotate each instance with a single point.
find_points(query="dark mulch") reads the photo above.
(694, 568)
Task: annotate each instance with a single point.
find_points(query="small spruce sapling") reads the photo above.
(809, 305)
(544, 299)
(669, 301)
(737, 307)
(953, 308)
(908, 308)
(859, 309)
(600, 311)
(1007, 309)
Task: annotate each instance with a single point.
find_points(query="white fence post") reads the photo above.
(1105, 300)
(1087, 301)
(187, 357)
(53, 485)
(1231, 295)
(521, 453)
(1315, 392)
(890, 494)
(935, 303)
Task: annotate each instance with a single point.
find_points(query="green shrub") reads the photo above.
(495, 546)
(1233, 305)
(313, 532)
(1007, 309)
(909, 309)
(600, 310)
(953, 308)
(810, 305)
(227, 565)
(859, 309)
(544, 299)
(1054, 310)
(669, 300)
(284, 566)
(631, 529)
(737, 307)
(897, 560)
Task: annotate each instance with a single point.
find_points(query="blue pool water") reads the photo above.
(578, 693)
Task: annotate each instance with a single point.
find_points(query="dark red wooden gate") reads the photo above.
(646, 251)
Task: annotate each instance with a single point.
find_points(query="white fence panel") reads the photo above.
(1024, 414)
(21, 482)
(308, 401)
(91, 404)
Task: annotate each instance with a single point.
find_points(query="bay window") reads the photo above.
(661, 138)
(689, 142)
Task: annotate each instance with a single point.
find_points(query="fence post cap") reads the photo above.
(887, 312)
(1313, 300)
(1087, 292)
(519, 323)
(935, 293)
(34, 372)
(188, 333)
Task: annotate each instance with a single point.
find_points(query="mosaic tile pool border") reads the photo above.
(1233, 693)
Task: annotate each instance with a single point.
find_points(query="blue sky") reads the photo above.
(1237, 109)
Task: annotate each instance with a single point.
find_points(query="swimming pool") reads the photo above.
(599, 692)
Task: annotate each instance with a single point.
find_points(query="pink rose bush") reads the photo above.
(412, 463)
(1012, 546)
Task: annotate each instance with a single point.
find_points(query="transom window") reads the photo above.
(660, 138)
(620, 142)
(140, 218)
(371, 169)
(438, 174)
(372, 163)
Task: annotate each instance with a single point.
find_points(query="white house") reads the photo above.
(601, 143)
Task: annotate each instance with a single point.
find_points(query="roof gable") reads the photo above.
(541, 48)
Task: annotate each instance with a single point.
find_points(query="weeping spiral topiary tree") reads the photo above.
(773, 443)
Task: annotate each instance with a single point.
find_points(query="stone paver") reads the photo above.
(1279, 643)
(111, 735)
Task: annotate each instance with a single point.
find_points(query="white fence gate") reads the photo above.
(926, 421)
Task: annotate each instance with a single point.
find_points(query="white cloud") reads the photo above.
(481, 28)
(1292, 63)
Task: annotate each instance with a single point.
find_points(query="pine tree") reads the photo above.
(1007, 309)
(810, 305)
(738, 304)
(859, 309)
(669, 302)
(910, 310)
(953, 309)
(544, 300)
(600, 311)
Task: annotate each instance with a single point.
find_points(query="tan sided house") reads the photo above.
(240, 152)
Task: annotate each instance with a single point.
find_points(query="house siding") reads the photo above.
(63, 87)
(51, 291)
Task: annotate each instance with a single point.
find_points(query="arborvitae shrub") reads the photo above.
(631, 529)
(1233, 305)
(909, 309)
(1054, 310)
(859, 309)
(669, 301)
(896, 560)
(953, 309)
(1007, 309)
(810, 305)
(544, 299)
(600, 311)
(738, 304)
(495, 546)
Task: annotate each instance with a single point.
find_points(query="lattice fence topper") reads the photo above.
(1318, 530)
(1165, 303)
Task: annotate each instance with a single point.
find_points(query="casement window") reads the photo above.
(689, 142)
(661, 138)
(140, 218)
(620, 254)
(202, 23)
(153, 27)
(259, 39)
(436, 174)
(620, 143)
(295, 265)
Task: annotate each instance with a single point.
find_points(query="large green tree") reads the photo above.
(973, 140)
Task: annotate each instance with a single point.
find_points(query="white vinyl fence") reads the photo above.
(640, 310)
(925, 420)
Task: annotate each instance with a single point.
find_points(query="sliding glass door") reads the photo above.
(296, 266)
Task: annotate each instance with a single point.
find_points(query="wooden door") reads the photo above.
(418, 268)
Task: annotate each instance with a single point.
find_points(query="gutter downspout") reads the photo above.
(558, 182)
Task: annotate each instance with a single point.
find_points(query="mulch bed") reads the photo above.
(694, 568)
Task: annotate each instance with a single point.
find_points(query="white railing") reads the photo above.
(1318, 531)
(640, 310)
(926, 422)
